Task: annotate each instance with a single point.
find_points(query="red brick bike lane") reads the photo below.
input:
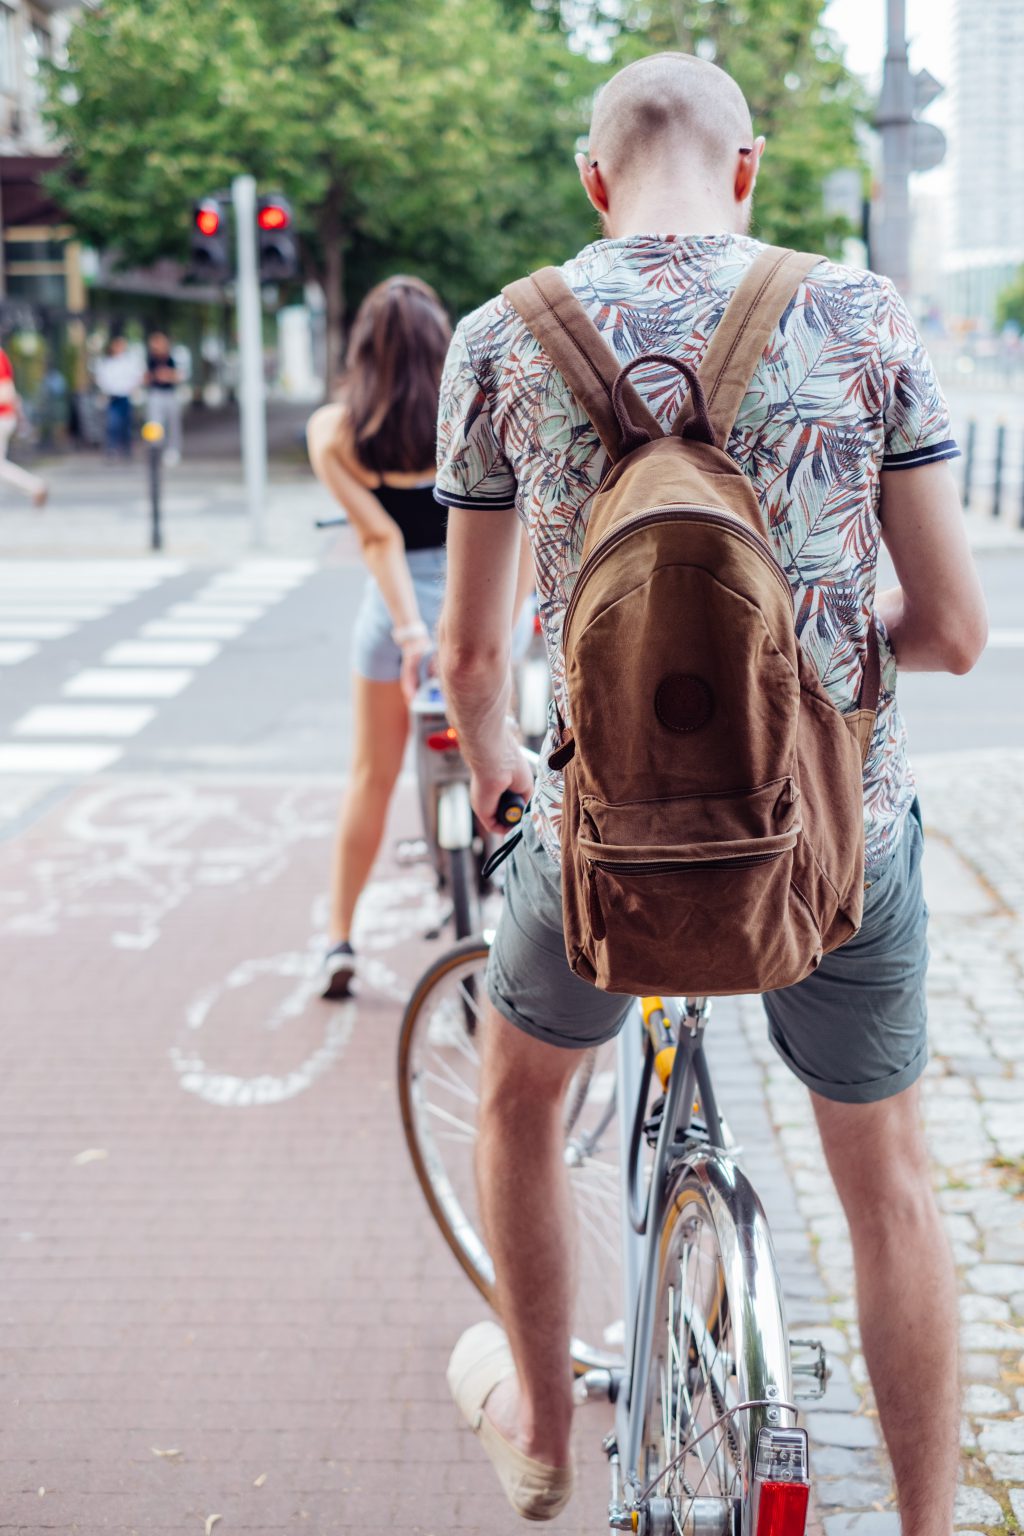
(221, 1293)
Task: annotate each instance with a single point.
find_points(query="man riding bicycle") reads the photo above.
(845, 438)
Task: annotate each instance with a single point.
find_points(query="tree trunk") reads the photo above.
(334, 288)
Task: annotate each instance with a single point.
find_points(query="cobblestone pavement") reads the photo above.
(974, 872)
(220, 1292)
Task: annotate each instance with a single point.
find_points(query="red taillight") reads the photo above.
(782, 1509)
(444, 741)
(537, 625)
(208, 221)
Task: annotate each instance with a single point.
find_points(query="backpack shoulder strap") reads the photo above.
(738, 342)
(557, 319)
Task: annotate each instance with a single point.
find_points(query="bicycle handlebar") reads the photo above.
(510, 809)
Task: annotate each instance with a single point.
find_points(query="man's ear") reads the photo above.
(593, 183)
(746, 171)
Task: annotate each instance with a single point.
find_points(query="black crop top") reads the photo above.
(423, 521)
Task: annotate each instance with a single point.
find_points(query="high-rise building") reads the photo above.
(987, 152)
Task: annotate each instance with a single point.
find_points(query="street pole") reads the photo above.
(250, 347)
(895, 121)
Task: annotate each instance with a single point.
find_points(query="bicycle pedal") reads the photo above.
(811, 1369)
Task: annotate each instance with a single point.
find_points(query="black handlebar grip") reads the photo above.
(510, 808)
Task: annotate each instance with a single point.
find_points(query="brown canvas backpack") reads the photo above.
(713, 826)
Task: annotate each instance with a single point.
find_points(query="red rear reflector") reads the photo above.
(444, 741)
(782, 1509)
(537, 625)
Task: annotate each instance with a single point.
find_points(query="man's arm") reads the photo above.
(935, 618)
(474, 642)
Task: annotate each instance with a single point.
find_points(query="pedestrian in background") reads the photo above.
(374, 451)
(13, 474)
(118, 376)
(162, 379)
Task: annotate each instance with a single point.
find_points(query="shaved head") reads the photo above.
(671, 108)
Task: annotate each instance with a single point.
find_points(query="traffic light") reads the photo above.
(278, 247)
(210, 247)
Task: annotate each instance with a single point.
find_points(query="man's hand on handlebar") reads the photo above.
(510, 775)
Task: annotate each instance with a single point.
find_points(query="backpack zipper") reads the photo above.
(679, 866)
(679, 513)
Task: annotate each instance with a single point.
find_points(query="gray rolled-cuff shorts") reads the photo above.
(854, 1031)
(374, 654)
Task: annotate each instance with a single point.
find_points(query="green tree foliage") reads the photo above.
(435, 137)
(1010, 303)
(802, 97)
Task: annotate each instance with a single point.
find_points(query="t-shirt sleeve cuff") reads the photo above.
(483, 501)
(929, 453)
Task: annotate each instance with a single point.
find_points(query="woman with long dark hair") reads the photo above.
(374, 451)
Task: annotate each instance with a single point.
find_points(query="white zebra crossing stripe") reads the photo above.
(1006, 639)
(187, 629)
(33, 629)
(161, 653)
(128, 683)
(117, 720)
(13, 651)
(57, 758)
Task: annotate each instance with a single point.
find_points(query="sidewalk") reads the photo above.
(101, 508)
(221, 1290)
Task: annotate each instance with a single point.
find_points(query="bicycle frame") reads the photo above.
(760, 1333)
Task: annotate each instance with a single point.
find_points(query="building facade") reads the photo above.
(987, 159)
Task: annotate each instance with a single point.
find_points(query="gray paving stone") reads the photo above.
(1005, 1467)
(842, 1461)
(1017, 1504)
(976, 1507)
(996, 1279)
(850, 1492)
(984, 1309)
(982, 1399)
(845, 1429)
(1002, 1435)
(989, 1336)
(869, 1522)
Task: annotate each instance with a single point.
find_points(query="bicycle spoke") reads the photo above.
(463, 1126)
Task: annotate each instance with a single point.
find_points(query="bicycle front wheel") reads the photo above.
(443, 1034)
(719, 1342)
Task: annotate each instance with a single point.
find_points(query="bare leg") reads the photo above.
(381, 727)
(527, 1212)
(906, 1295)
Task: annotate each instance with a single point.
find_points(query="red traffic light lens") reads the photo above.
(273, 216)
(207, 221)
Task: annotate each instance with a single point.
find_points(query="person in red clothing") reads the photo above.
(13, 474)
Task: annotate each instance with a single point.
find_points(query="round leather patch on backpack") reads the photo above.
(684, 702)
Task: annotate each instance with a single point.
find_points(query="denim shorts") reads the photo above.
(374, 654)
(854, 1031)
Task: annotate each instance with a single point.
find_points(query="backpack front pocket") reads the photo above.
(702, 914)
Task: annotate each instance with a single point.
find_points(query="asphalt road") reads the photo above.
(263, 683)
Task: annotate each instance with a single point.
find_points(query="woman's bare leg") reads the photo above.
(381, 727)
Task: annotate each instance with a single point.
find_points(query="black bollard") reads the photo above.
(969, 462)
(997, 488)
(153, 436)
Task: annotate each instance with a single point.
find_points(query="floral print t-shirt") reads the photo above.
(844, 390)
